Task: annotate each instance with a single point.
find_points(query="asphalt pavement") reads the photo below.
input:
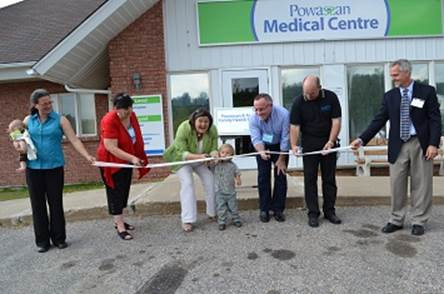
(271, 258)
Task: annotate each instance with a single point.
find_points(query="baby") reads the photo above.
(22, 142)
(226, 175)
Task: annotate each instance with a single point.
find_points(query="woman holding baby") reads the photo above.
(45, 175)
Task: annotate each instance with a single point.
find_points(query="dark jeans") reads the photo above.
(329, 189)
(267, 200)
(118, 196)
(47, 185)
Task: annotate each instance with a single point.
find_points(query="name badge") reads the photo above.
(267, 138)
(416, 102)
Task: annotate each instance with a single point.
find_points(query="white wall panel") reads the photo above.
(183, 52)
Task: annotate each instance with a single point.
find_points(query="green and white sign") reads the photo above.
(148, 109)
(267, 21)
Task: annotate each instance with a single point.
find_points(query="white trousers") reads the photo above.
(187, 192)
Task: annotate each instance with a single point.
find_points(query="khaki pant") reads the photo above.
(411, 162)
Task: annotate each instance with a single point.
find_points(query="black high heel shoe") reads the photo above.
(125, 235)
(127, 227)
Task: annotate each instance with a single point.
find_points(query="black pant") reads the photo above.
(329, 189)
(47, 185)
(118, 196)
(268, 202)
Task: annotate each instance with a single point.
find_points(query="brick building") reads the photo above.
(92, 47)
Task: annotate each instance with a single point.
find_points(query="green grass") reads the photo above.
(17, 193)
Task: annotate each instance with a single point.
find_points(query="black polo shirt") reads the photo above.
(314, 118)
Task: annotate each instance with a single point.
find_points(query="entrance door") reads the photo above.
(238, 90)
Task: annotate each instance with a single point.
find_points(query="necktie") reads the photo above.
(405, 116)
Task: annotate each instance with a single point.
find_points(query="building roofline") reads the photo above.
(76, 36)
(15, 71)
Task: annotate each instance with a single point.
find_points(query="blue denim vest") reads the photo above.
(47, 138)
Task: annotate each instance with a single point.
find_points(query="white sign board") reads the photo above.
(233, 121)
(148, 109)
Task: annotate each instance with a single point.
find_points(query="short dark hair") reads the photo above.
(122, 100)
(200, 112)
(265, 96)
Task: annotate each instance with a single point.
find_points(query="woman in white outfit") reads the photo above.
(196, 138)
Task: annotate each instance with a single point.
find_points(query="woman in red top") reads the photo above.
(120, 142)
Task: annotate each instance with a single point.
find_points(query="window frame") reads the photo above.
(387, 86)
(78, 127)
(170, 97)
(281, 80)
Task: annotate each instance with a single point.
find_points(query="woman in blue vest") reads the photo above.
(45, 175)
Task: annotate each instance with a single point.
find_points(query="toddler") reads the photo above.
(226, 175)
(22, 142)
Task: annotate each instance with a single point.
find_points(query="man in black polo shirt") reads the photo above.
(316, 115)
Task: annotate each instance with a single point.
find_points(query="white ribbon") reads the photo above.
(165, 164)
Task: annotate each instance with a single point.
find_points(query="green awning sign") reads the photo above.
(268, 21)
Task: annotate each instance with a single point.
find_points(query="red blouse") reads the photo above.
(112, 128)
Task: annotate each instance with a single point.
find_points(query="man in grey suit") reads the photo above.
(415, 130)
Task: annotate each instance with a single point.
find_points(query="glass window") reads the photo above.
(87, 114)
(292, 83)
(420, 72)
(244, 90)
(188, 92)
(439, 78)
(79, 109)
(365, 92)
(66, 104)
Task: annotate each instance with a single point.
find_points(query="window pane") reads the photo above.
(420, 72)
(365, 92)
(55, 103)
(244, 90)
(87, 114)
(439, 72)
(292, 83)
(188, 92)
(67, 108)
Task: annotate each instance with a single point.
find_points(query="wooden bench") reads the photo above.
(369, 156)
(376, 155)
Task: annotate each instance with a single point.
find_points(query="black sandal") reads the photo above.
(127, 227)
(125, 235)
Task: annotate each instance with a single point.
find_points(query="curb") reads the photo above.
(170, 208)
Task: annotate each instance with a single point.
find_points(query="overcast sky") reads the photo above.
(8, 2)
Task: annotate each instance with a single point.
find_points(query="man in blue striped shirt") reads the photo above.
(269, 130)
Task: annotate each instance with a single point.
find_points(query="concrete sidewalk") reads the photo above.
(163, 197)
